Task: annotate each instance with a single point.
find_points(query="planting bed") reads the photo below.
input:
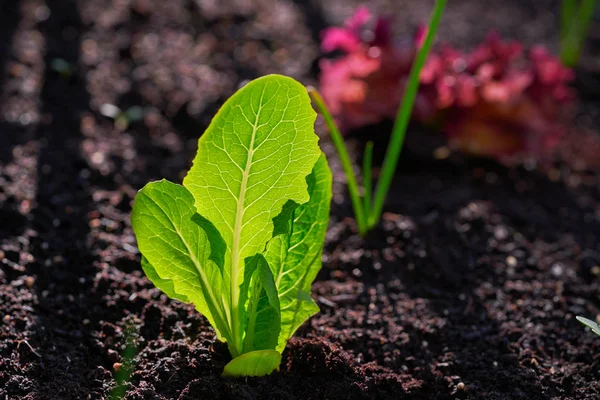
(468, 289)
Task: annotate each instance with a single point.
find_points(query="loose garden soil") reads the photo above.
(468, 289)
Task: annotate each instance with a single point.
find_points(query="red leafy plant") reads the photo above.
(498, 100)
(364, 86)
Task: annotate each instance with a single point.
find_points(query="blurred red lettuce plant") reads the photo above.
(495, 101)
(363, 86)
(498, 100)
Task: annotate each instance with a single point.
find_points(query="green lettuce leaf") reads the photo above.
(254, 363)
(178, 257)
(242, 238)
(166, 285)
(252, 159)
(263, 318)
(295, 255)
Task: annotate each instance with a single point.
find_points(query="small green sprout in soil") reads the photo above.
(368, 211)
(242, 239)
(590, 324)
(124, 368)
(575, 19)
(122, 118)
(62, 66)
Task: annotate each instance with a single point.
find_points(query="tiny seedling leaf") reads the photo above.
(590, 324)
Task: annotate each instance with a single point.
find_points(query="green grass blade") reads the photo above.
(567, 11)
(338, 142)
(367, 178)
(575, 23)
(403, 117)
(586, 13)
(123, 375)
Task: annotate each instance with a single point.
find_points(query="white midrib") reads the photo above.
(235, 248)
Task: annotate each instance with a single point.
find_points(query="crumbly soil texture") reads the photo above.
(468, 289)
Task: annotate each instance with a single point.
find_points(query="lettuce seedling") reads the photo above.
(242, 239)
(503, 101)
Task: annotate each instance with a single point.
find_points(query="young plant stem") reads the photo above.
(368, 213)
(123, 373)
(567, 11)
(338, 142)
(402, 118)
(367, 178)
(574, 24)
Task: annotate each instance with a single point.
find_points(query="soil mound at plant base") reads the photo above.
(468, 289)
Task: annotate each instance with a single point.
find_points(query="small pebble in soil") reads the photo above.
(500, 232)
(557, 269)
(535, 363)
(441, 153)
(29, 281)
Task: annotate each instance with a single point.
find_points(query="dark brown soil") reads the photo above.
(468, 289)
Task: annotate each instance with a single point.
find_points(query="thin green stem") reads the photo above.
(338, 142)
(575, 22)
(567, 11)
(403, 117)
(367, 178)
(586, 13)
(123, 373)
